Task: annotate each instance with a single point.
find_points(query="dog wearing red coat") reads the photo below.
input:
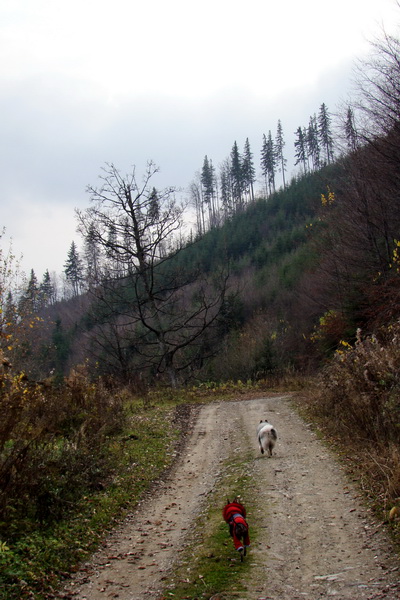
(234, 513)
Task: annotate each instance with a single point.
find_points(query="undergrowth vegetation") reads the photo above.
(73, 459)
(357, 403)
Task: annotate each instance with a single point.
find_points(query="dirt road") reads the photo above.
(317, 539)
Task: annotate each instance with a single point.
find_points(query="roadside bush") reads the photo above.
(358, 402)
(52, 444)
(360, 387)
(73, 460)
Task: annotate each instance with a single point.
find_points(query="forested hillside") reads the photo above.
(279, 285)
(266, 282)
(242, 280)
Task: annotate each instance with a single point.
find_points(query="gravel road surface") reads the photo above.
(315, 538)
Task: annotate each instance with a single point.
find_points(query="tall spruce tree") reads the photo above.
(236, 177)
(271, 162)
(279, 145)
(268, 163)
(225, 178)
(325, 133)
(249, 174)
(208, 189)
(114, 265)
(264, 162)
(300, 145)
(92, 259)
(47, 290)
(196, 200)
(350, 130)
(29, 302)
(313, 143)
(154, 205)
(73, 270)
(214, 199)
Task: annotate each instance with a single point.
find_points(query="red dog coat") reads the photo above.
(234, 513)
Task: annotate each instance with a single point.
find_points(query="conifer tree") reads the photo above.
(154, 205)
(29, 301)
(114, 264)
(73, 270)
(249, 174)
(208, 189)
(350, 130)
(214, 199)
(92, 258)
(313, 142)
(300, 145)
(46, 290)
(264, 162)
(236, 177)
(271, 162)
(196, 201)
(325, 133)
(268, 162)
(226, 188)
(279, 145)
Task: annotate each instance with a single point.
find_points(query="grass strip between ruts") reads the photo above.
(209, 565)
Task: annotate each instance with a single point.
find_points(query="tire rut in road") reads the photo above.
(137, 557)
(319, 540)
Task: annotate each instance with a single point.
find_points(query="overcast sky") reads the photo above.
(85, 82)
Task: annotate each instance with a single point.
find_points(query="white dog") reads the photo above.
(267, 436)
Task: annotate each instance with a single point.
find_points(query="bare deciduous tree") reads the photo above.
(155, 309)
